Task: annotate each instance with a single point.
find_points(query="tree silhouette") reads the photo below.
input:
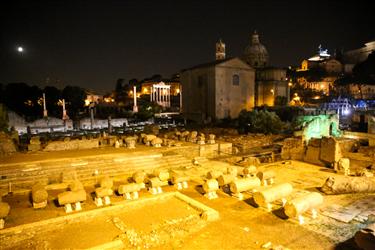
(53, 95)
(75, 99)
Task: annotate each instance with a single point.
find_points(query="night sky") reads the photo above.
(93, 43)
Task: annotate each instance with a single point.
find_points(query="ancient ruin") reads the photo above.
(300, 179)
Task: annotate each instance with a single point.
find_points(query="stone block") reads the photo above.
(330, 151)
(225, 148)
(72, 145)
(315, 142)
(209, 151)
(313, 155)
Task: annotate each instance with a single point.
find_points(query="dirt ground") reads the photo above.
(173, 225)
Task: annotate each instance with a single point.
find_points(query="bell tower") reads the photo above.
(220, 50)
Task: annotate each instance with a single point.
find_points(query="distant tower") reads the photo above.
(220, 50)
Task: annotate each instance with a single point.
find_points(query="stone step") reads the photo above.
(88, 170)
(25, 175)
(35, 169)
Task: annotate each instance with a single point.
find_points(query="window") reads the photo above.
(236, 80)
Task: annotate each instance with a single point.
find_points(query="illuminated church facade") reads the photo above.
(221, 89)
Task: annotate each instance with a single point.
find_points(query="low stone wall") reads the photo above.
(72, 145)
(245, 143)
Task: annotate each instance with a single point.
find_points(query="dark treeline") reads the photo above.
(27, 101)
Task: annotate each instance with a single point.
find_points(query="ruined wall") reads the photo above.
(206, 150)
(318, 126)
(72, 145)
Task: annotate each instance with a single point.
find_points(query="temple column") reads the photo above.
(135, 107)
(45, 113)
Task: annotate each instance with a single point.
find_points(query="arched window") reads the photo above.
(236, 80)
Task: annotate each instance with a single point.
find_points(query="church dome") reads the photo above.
(256, 54)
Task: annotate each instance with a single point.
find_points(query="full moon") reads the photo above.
(20, 49)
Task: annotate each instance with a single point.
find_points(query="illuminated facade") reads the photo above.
(175, 87)
(217, 90)
(93, 98)
(325, 84)
(364, 91)
(166, 93)
(270, 82)
(161, 94)
(326, 68)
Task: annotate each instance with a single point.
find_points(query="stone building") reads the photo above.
(255, 53)
(221, 89)
(332, 66)
(322, 60)
(92, 97)
(166, 92)
(217, 90)
(363, 91)
(270, 82)
(323, 68)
